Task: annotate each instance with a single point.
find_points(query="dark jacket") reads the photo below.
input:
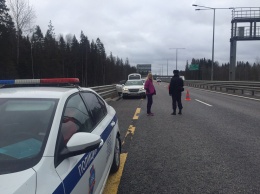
(176, 85)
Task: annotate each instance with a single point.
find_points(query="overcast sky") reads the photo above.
(144, 30)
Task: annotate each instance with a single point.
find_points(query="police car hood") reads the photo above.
(19, 182)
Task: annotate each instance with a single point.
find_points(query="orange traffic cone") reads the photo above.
(187, 95)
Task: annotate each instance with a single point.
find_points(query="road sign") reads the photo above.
(194, 67)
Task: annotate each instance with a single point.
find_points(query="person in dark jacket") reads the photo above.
(175, 90)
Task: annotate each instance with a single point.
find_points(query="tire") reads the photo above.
(116, 158)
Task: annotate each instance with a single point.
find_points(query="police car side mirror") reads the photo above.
(81, 143)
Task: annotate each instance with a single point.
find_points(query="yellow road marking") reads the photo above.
(114, 179)
(138, 110)
(131, 131)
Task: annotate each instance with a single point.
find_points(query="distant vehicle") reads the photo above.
(119, 87)
(134, 76)
(133, 88)
(158, 80)
(56, 137)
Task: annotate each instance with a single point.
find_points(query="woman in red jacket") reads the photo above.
(150, 91)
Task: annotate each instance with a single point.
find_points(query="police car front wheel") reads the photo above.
(116, 159)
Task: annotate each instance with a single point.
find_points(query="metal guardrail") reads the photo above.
(245, 12)
(241, 87)
(106, 91)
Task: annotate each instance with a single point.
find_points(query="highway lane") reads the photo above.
(214, 147)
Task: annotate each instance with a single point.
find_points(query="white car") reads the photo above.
(119, 87)
(55, 139)
(133, 88)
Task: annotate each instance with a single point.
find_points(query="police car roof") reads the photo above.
(36, 92)
(36, 88)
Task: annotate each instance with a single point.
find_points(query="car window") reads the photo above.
(24, 127)
(95, 105)
(75, 118)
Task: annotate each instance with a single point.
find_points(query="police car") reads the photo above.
(55, 137)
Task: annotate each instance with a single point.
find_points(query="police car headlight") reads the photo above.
(125, 89)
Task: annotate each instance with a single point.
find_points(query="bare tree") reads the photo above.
(23, 16)
(69, 38)
(257, 60)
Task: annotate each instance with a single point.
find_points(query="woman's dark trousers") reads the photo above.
(149, 102)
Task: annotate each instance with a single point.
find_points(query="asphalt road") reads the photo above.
(214, 147)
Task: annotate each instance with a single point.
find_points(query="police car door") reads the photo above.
(78, 173)
(104, 121)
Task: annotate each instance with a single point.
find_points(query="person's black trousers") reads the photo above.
(176, 98)
(149, 102)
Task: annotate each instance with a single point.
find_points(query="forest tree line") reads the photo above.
(244, 71)
(36, 56)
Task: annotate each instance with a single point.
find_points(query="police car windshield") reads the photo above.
(24, 127)
(134, 82)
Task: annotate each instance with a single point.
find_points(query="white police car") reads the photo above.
(55, 139)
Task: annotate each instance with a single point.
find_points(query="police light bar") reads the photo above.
(41, 81)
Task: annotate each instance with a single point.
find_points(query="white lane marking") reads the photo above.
(228, 94)
(203, 102)
(238, 96)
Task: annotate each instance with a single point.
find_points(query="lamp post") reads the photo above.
(213, 39)
(176, 54)
(167, 67)
(32, 58)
